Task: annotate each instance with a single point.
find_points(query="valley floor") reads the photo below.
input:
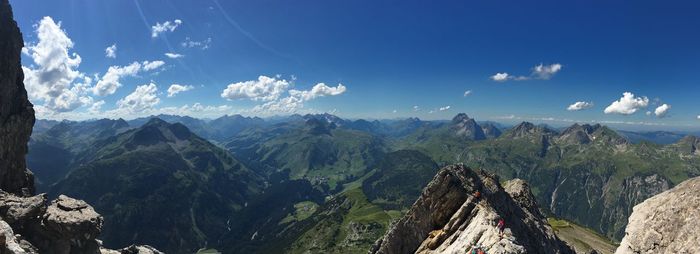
(582, 239)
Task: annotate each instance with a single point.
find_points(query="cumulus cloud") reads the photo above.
(166, 26)
(416, 108)
(319, 90)
(540, 71)
(698, 117)
(111, 51)
(444, 108)
(580, 105)
(500, 77)
(96, 107)
(174, 55)
(143, 99)
(110, 81)
(627, 105)
(53, 78)
(297, 98)
(177, 88)
(189, 43)
(467, 93)
(263, 89)
(662, 110)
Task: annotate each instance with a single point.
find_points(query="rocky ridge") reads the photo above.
(448, 218)
(27, 223)
(665, 223)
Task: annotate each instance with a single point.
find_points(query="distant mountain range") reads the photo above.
(332, 185)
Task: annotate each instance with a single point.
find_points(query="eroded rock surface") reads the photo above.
(16, 112)
(666, 223)
(448, 218)
(27, 225)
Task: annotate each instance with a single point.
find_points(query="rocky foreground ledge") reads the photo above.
(666, 223)
(67, 225)
(449, 218)
(28, 224)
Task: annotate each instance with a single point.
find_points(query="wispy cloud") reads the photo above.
(541, 71)
(174, 55)
(166, 26)
(189, 43)
(111, 51)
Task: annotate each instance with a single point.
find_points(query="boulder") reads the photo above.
(665, 223)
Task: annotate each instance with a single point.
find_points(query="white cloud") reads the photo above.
(167, 26)
(416, 108)
(110, 81)
(111, 51)
(319, 90)
(649, 113)
(540, 71)
(174, 55)
(53, 78)
(545, 71)
(95, 108)
(627, 105)
(500, 77)
(467, 93)
(177, 88)
(143, 99)
(662, 110)
(394, 111)
(444, 108)
(152, 65)
(580, 105)
(698, 117)
(296, 98)
(197, 110)
(263, 89)
(189, 43)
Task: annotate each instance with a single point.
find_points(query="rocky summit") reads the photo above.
(449, 217)
(27, 224)
(665, 223)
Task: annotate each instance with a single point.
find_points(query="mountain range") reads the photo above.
(347, 178)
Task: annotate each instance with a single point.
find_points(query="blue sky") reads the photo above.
(376, 59)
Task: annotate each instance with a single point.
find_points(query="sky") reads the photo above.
(621, 63)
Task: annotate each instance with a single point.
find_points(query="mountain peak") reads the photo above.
(467, 127)
(437, 221)
(461, 117)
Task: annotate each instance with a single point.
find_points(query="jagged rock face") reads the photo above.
(490, 130)
(666, 223)
(16, 112)
(448, 218)
(467, 127)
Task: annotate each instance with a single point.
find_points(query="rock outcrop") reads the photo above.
(449, 218)
(27, 224)
(665, 223)
(16, 112)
